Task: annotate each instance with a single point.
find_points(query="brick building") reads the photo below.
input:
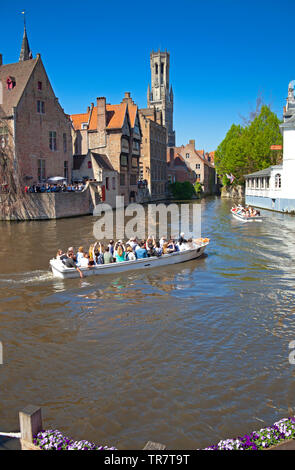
(113, 131)
(177, 168)
(196, 161)
(153, 153)
(40, 130)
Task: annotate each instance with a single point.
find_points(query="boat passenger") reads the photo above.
(70, 263)
(141, 252)
(84, 261)
(91, 255)
(119, 253)
(162, 241)
(158, 249)
(133, 243)
(171, 246)
(151, 250)
(164, 248)
(80, 254)
(60, 255)
(107, 256)
(129, 256)
(182, 239)
(111, 247)
(98, 254)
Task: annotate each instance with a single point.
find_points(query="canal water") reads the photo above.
(185, 356)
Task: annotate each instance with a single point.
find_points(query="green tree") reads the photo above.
(182, 191)
(247, 149)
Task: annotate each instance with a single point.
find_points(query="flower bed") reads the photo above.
(259, 440)
(55, 440)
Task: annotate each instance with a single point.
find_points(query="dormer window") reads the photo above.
(84, 125)
(10, 82)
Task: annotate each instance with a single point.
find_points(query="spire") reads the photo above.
(25, 53)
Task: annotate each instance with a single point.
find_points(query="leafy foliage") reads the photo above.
(247, 149)
(182, 191)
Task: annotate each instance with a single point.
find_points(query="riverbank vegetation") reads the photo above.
(246, 149)
(182, 191)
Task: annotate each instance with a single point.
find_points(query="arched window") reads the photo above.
(156, 69)
(278, 181)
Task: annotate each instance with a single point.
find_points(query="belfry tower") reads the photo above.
(160, 95)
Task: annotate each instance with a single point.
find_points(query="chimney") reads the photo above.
(101, 113)
(1, 60)
(192, 142)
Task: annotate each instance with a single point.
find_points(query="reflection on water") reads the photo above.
(185, 355)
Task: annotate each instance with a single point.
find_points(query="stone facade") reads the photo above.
(160, 95)
(153, 156)
(112, 130)
(41, 131)
(43, 206)
(97, 167)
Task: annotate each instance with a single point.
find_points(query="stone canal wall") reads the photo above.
(236, 192)
(42, 206)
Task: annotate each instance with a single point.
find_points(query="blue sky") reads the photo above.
(223, 53)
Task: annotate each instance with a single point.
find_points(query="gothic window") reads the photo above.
(65, 143)
(278, 182)
(66, 169)
(41, 170)
(40, 86)
(122, 179)
(156, 69)
(162, 68)
(52, 141)
(132, 180)
(40, 107)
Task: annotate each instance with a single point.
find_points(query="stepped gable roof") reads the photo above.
(20, 73)
(103, 161)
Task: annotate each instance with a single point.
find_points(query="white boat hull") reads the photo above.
(243, 218)
(59, 270)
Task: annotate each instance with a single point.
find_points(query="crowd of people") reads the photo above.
(54, 188)
(117, 252)
(246, 211)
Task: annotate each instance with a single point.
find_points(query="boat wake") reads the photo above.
(26, 278)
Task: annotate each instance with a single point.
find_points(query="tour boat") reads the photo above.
(246, 218)
(61, 271)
